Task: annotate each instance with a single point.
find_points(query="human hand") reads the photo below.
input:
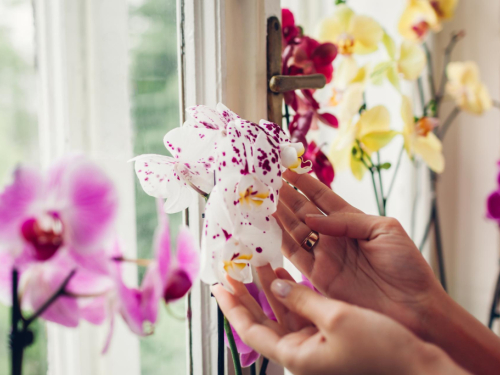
(316, 335)
(364, 260)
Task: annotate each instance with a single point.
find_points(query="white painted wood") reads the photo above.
(224, 60)
(83, 64)
(471, 149)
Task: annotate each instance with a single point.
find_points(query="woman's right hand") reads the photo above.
(368, 261)
(315, 335)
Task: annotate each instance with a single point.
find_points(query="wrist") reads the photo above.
(429, 359)
(437, 307)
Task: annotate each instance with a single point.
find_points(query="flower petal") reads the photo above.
(412, 60)
(93, 203)
(376, 119)
(430, 149)
(16, 200)
(187, 267)
(332, 27)
(367, 34)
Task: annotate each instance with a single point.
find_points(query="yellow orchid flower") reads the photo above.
(417, 19)
(351, 33)
(445, 9)
(348, 88)
(409, 64)
(355, 143)
(465, 87)
(419, 138)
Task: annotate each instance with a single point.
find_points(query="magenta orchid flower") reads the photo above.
(311, 57)
(181, 178)
(288, 27)
(493, 203)
(248, 355)
(321, 166)
(166, 278)
(55, 223)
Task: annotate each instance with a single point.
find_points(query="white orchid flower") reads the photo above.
(230, 245)
(184, 175)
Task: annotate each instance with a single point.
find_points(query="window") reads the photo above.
(108, 83)
(19, 140)
(154, 94)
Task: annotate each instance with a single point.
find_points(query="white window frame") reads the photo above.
(84, 106)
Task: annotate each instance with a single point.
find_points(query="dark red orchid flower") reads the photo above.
(306, 103)
(321, 166)
(288, 27)
(311, 57)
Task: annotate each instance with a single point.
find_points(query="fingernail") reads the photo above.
(281, 288)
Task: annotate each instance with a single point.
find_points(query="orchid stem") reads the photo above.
(59, 292)
(371, 169)
(421, 92)
(232, 346)
(393, 181)
(449, 120)
(139, 262)
(430, 70)
(382, 196)
(263, 367)
(287, 117)
(447, 55)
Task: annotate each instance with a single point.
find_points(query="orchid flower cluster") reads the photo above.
(364, 130)
(237, 166)
(57, 230)
(303, 55)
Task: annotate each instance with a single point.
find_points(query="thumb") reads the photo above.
(305, 302)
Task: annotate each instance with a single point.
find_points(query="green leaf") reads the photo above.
(390, 46)
(338, 2)
(385, 166)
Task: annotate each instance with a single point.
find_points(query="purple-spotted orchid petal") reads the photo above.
(229, 246)
(179, 178)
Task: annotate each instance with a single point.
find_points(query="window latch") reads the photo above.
(277, 84)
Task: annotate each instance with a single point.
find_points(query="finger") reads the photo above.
(297, 202)
(305, 302)
(347, 224)
(284, 274)
(292, 224)
(266, 277)
(301, 258)
(318, 193)
(242, 293)
(262, 336)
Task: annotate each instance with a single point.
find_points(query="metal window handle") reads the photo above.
(278, 83)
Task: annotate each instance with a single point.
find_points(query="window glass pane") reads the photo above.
(19, 139)
(155, 110)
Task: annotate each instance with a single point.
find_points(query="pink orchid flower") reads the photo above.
(165, 279)
(52, 224)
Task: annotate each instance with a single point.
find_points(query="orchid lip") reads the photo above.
(45, 233)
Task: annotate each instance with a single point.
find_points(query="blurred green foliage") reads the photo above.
(155, 110)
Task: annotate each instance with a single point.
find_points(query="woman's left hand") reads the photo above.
(317, 335)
